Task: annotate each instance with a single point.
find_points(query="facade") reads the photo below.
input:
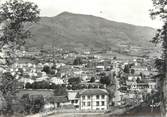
(93, 99)
(141, 86)
(74, 99)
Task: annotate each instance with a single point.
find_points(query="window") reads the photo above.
(103, 96)
(76, 106)
(83, 97)
(97, 103)
(76, 101)
(97, 96)
(83, 103)
(88, 97)
(102, 103)
(88, 103)
(72, 101)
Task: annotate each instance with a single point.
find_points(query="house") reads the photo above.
(118, 98)
(74, 99)
(140, 69)
(94, 99)
(148, 86)
(100, 68)
(133, 77)
(59, 101)
(56, 81)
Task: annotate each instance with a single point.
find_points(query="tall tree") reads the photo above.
(160, 10)
(15, 15)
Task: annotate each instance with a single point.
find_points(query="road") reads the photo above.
(142, 110)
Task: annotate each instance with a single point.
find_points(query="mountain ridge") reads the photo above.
(70, 13)
(69, 30)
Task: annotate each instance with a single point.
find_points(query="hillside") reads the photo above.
(68, 30)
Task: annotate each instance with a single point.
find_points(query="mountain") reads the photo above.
(77, 31)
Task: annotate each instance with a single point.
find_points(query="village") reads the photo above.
(82, 58)
(80, 82)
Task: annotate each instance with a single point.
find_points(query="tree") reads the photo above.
(160, 10)
(92, 79)
(26, 103)
(32, 103)
(37, 103)
(8, 87)
(126, 69)
(90, 86)
(7, 84)
(28, 85)
(123, 80)
(114, 58)
(46, 69)
(132, 71)
(105, 80)
(15, 15)
(74, 81)
(78, 61)
(138, 80)
(60, 91)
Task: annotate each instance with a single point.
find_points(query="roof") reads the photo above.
(72, 95)
(94, 92)
(56, 80)
(45, 93)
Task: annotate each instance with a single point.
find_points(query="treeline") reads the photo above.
(47, 85)
(42, 85)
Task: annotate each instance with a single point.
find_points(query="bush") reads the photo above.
(105, 80)
(46, 69)
(37, 102)
(74, 81)
(59, 91)
(78, 61)
(92, 79)
(28, 85)
(90, 86)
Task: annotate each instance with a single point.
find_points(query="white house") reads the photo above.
(56, 81)
(93, 99)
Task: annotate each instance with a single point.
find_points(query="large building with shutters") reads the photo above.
(93, 99)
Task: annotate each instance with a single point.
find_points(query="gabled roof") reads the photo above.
(93, 92)
(72, 95)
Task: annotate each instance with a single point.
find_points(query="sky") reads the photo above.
(128, 11)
